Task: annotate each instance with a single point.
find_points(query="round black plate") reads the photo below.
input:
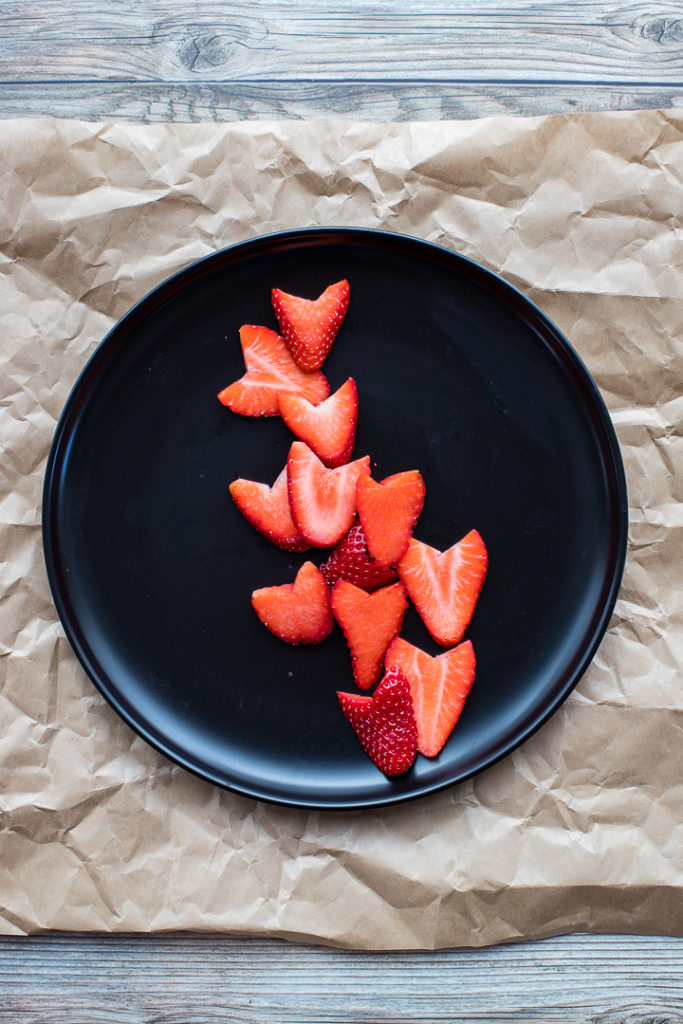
(152, 566)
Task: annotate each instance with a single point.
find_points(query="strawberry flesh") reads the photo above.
(297, 612)
(322, 500)
(309, 326)
(329, 429)
(267, 509)
(389, 511)
(369, 622)
(385, 723)
(271, 372)
(350, 561)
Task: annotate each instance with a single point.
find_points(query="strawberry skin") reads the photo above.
(322, 500)
(309, 326)
(444, 585)
(350, 561)
(297, 612)
(329, 429)
(385, 723)
(388, 512)
(271, 372)
(267, 509)
(438, 686)
(369, 622)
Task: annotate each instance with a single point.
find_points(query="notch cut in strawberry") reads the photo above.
(270, 372)
(444, 585)
(297, 612)
(329, 429)
(267, 509)
(309, 326)
(350, 561)
(438, 687)
(388, 512)
(322, 500)
(369, 622)
(385, 723)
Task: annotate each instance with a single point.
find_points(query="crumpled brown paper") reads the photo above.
(580, 829)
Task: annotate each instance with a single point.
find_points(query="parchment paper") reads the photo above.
(581, 828)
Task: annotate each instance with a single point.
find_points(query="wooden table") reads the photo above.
(163, 60)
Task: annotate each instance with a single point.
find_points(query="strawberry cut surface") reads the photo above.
(298, 612)
(271, 372)
(322, 500)
(329, 429)
(438, 686)
(309, 326)
(385, 723)
(267, 509)
(350, 561)
(388, 512)
(444, 585)
(369, 622)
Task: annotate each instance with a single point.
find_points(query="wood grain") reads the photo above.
(353, 40)
(181, 979)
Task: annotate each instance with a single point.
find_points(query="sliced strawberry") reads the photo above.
(271, 372)
(388, 512)
(350, 561)
(370, 622)
(309, 326)
(329, 429)
(385, 723)
(444, 585)
(323, 501)
(438, 687)
(297, 612)
(267, 509)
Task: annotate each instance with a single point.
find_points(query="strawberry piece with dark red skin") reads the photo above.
(329, 429)
(298, 612)
(444, 585)
(388, 512)
(271, 372)
(322, 500)
(369, 622)
(439, 687)
(385, 723)
(267, 509)
(350, 561)
(309, 326)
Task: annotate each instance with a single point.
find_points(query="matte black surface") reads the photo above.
(152, 566)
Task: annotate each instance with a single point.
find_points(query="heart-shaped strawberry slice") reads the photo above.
(388, 512)
(297, 612)
(385, 723)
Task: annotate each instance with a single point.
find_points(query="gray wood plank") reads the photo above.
(361, 40)
(181, 979)
(143, 102)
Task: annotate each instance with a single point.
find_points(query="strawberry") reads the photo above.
(350, 561)
(297, 612)
(438, 687)
(370, 622)
(444, 585)
(329, 429)
(267, 509)
(388, 512)
(271, 371)
(309, 326)
(385, 723)
(323, 501)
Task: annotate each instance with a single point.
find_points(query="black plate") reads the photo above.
(152, 566)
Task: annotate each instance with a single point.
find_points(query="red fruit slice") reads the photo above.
(267, 509)
(385, 723)
(271, 372)
(309, 326)
(438, 687)
(370, 622)
(297, 612)
(329, 429)
(444, 585)
(323, 501)
(350, 561)
(388, 512)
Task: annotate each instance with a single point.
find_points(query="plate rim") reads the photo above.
(336, 234)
